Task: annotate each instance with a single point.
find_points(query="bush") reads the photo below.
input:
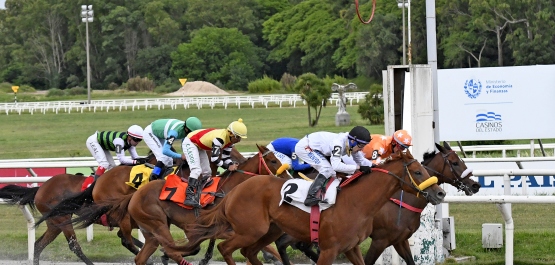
(288, 81)
(6, 87)
(140, 84)
(72, 81)
(371, 108)
(55, 92)
(165, 89)
(25, 89)
(113, 86)
(76, 91)
(264, 85)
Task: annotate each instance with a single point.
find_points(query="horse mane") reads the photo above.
(429, 155)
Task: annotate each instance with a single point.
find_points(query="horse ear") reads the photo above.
(439, 147)
(446, 145)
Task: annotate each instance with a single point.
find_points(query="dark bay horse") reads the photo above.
(250, 216)
(154, 216)
(43, 198)
(388, 230)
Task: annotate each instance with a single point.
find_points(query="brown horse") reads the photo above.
(251, 217)
(110, 185)
(394, 225)
(43, 198)
(154, 215)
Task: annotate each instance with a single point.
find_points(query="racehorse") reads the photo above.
(110, 186)
(154, 215)
(251, 217)
(44, 198)
(388, 230)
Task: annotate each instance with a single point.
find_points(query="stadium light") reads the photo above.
(87, 15)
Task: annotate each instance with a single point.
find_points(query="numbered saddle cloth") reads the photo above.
(294, 192)
(139, 176)
(174, 190)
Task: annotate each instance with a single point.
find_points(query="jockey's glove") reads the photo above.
(365, 169)
(140, 161)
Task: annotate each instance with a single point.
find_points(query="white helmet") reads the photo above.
(135, 131)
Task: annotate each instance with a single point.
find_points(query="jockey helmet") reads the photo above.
(360, 134)
(135, 131)
(193, 123)
(238, 128)
(403, 138)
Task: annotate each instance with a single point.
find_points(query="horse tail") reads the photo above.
(69, 206)
(211, 224)
(115, 208)
(14, 194)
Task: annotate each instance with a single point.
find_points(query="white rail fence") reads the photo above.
(474, 149)
(504, 202)
(173, 103)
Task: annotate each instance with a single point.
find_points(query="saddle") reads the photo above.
(139, 175)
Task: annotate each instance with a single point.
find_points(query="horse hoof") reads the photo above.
(149, 262)
(277, 262)
(165, 259)
(203, 262)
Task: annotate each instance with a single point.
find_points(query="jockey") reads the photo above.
(159, 137)
(101, 143)
(381, 146)
(220, 141)
(315, 147)
(284, 150)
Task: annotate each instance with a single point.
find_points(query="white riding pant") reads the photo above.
(155, 144)
(313, 157)
(103, 157)
(197, 159)
(283, 158)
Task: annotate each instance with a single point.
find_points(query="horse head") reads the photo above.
(449, 168)
(414, 178)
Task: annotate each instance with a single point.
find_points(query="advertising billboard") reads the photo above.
(497, 103)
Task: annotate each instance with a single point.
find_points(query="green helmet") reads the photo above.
(193, 123)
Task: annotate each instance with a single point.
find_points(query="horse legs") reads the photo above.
(251, 251)
(52, 231)
(355, 255)
(327, 256)
(271, 254)
(281, 244)
(403, 248)
(209, 253)
(149, 247)
(376, 249)
(124, 234)
(70, 236)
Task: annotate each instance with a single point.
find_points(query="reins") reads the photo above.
(261, 162)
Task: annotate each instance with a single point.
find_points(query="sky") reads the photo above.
(2, 2)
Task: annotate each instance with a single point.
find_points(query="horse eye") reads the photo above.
(418, 172)
(456, 164)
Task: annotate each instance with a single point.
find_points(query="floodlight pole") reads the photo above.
(87, 16)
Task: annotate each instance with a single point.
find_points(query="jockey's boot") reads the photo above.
(99, 171)
(191, 197)
(157, 171)
(311, 198)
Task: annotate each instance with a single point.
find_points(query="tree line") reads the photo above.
(233, 42)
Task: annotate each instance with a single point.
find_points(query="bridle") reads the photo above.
(457, 181)
(261, 162)
(419, 188)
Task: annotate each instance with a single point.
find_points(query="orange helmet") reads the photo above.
(403, 138)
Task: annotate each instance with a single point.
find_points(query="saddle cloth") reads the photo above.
(294, 192)
(174, 190)
(139, 176)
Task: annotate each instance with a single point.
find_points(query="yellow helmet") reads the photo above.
(238, 128)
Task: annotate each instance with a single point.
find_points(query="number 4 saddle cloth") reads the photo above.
(139, 176)
(174, 190)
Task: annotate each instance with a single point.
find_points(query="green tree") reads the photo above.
(371, 108)
(218, 54)
(306, 36)
(316, 94)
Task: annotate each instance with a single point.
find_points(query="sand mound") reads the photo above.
(198, 88)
